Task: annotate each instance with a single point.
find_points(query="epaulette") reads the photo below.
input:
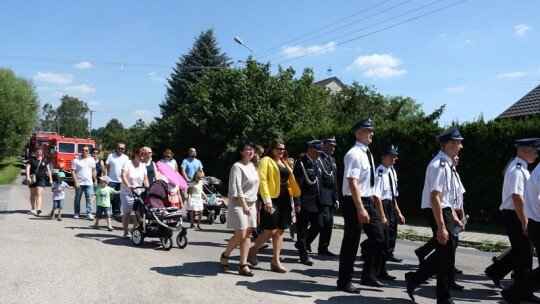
(380, 172)
(443, 162)
(518, 166)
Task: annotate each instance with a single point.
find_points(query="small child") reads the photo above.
(59, 194)
(195, 198)
(103, 205)
(175, 199)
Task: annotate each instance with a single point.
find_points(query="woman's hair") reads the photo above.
(137, 151)
(94, 149)
(273, 145)
(190, 189)
(238, 152)
(168, 151)
(198, 175)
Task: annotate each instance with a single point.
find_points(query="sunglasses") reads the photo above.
(95, 152)
(280, 149)
(84, 150)
(120, 148)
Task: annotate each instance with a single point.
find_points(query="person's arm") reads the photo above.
(104, 169)
(94, 175)
(442, 234)
(519, 205)
(125, 179)
(145, 181)
(49, 174)
(27, 169)
(401, 218)
(380, 211)
(183, 173)
(74, 175)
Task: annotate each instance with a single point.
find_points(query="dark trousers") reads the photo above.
(115, 201)
(531, 283)
(351, 239)
(364, 246)
(519, 258)
(303, 220)
(325, 231)
(441, 262)
(392, 233)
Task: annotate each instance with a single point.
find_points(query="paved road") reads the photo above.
(48, 261)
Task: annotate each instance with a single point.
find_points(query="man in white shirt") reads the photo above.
(115, 161)
(437, 201)
(83, 171)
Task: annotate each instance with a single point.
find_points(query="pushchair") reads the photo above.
(216, 205)
(155, 219)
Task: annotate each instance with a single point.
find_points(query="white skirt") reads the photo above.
(195, 204)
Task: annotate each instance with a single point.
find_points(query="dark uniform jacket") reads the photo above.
(310, 199)
(329, 182)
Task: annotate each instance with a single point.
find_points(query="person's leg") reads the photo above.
(77, 202)
(445, 260)
(116, 202)
(245, 242)
(351, 240)
(33, 191)
(60, 207)
(192, 218)
(234, 242)
(88, 193)
(277, 244)
(374, 256)
(302, 223)
(199, 220)
(39, 195)
(327, 224)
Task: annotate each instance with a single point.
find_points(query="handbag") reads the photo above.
(33, 179)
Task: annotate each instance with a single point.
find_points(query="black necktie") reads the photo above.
(372, 175)
(391, 184)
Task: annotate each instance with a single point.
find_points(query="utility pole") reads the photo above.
(90, 130)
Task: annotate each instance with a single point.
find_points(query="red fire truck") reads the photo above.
(62, 151)
(39, 138)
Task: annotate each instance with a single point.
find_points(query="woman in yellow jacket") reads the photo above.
(277, 186)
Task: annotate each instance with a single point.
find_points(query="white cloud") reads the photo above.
(378, 66)
(94, 103)
(83, 65)
(456, 89)
(155, 77)
(512, 74)
(297, 50)
(81, 89)
(521, 29)
(54, 78)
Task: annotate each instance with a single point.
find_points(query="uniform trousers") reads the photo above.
(351, 239)
(441, 262)
(303, 219)
(392, 233)
(531, 283)
(325, 233)
(519, 258)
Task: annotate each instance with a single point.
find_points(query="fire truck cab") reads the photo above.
(62, 151)
(41, 139)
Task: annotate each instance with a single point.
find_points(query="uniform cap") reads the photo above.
(330, 140)
(389, 150)
(316, 144)
(527, 142)
(450, 133)
(365, 123)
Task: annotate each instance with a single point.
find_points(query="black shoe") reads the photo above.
(494, 259)
(456, 286)
(420, 257)
(386, 277)
(372, 283)
(458, 271)
(326, 252)
(496, 281)
(306, 261)
(394, 259)
(532, 298)
(507, 299)
(410, 284)
(349, 288)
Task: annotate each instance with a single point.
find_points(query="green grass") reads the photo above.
(9, 169)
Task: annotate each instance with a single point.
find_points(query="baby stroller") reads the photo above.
(155, 218)
(216, 205)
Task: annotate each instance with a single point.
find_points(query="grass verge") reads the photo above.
(9, 169)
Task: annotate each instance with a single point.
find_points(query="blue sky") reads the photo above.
(476, 56)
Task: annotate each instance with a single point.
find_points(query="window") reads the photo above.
(65, 147)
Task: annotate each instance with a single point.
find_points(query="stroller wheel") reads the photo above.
(167, 243)
(223, 218)
(181, 241)
(137, 237)
(211, 218)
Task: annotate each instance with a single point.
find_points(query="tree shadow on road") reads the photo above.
(9, 212)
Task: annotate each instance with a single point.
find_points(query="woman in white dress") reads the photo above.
(242, 208)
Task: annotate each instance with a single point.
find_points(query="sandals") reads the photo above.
(224, 261)
(242, 270)
(277, 268)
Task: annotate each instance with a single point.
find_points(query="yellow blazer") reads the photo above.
(269, 180)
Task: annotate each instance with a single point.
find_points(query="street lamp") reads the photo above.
(239, 41)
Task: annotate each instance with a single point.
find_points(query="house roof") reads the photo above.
(528, 105)
(327, 81)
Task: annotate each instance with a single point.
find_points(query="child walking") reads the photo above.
(58, 189)
(195, 198)
(103, 205)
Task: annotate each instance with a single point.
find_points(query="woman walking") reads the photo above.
(37, 175)
(242, 211)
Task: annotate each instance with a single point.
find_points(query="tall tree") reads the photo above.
(48, 119)
(19, 107)
(205, 56)
(112, 133)
(72, 116)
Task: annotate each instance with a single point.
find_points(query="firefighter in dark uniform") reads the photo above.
(329, 197)
(359, 212)
(308, 205)
(437, 205)
(515, 217)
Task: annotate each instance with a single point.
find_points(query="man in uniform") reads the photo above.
(329, 197)
(308, 205)
(437, 205)
(359, 212)
(515, 217)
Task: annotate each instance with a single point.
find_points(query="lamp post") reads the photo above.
(239, 41)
